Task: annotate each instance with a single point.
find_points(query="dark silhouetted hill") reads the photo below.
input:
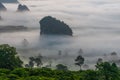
(9, 1)
(12, 28)
(52, 26)
(2, 7)
(22, 8)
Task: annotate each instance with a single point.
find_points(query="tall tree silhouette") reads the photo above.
(79, 61)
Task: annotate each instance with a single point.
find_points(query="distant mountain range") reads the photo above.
(9, 1)
(12, 28)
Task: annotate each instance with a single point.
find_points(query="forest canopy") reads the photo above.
(11, 69)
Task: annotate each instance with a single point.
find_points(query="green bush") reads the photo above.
(21, 72)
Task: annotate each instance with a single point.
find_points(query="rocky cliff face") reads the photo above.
(51, 26)
(2, 7)
(22, 8)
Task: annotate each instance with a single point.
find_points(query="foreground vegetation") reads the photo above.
(11, 69)
(105, 71)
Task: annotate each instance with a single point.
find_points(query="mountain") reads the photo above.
(9, 1)
(2, 7)
(22, 8)
(52, 26)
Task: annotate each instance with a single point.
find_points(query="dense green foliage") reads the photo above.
(49, 74)
(61, 67)
(108, 71)
(8, 58)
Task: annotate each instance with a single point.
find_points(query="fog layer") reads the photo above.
(95, 24)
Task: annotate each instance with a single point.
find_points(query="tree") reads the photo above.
(113, 54)
(38, 60)
(114, 57)
(90, 75)
(0, 18)
(61, 67)
(99, 60)
(27, 65)
(80, 52)
(25, 43)
(31, 62)
(115, 72)
(59, 53)
(105, 57)
(8, 58)
(108, 71)
(79, 61)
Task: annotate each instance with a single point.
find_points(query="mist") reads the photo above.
(95, 25)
